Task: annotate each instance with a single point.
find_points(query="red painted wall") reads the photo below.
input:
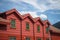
(46, 35)
(14, 31)
(38, 34)
(20, 31)
(27, 33)
(11, 31)
(55, 36)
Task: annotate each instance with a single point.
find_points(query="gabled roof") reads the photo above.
(33, 19)
(27, 15)
(38, 19)
(54, 29)
(13, 10)
(23, 16)
(46, 21)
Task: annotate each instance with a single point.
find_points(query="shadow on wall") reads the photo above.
(3, 27)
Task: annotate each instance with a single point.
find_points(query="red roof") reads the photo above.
(46, 21)
(23, 16)
(26, 16)
(54, 30)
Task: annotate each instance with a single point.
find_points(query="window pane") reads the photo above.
(47, 29)
(13, 23)
(27, 38)
(47, 39)
(39, 39)
(27, 26)
(12, 38)
(38, 28)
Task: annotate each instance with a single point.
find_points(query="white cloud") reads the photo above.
(54, 4)
(54, 1)
(43, 16)
(34, 3)
(33, 14)
(43, 5)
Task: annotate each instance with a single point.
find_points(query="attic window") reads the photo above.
(47, 29)
(38, 28)
(27, 26)
(13, 23)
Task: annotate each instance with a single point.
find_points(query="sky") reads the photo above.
(45, 9)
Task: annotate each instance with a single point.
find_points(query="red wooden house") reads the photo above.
(13, 30)
(55, 33)
(27, 27)
(23, 27)
(38, 29)
(55, 36)
(46, 30)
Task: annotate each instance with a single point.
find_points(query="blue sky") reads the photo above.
(45, 9)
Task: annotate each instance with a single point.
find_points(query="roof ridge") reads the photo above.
(23, 16)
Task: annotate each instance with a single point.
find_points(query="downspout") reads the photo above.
(21, 30)
(43, 31)
(33, 32)
(49, 34)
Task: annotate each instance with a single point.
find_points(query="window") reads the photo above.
(38, 28)
(27, 38)
(47, 29)
(27, 26)
(38, 38)
(13, 23)
(47, 39)
(12, 38)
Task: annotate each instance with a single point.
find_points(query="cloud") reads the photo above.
(43, 17)
(33, 7)
(33, 14)
(19, 5)
(50, 4)
(54, 4)
(34, 3)
(42, 5)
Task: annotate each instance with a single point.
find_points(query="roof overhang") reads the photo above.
(4, 21)
(54, 29)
